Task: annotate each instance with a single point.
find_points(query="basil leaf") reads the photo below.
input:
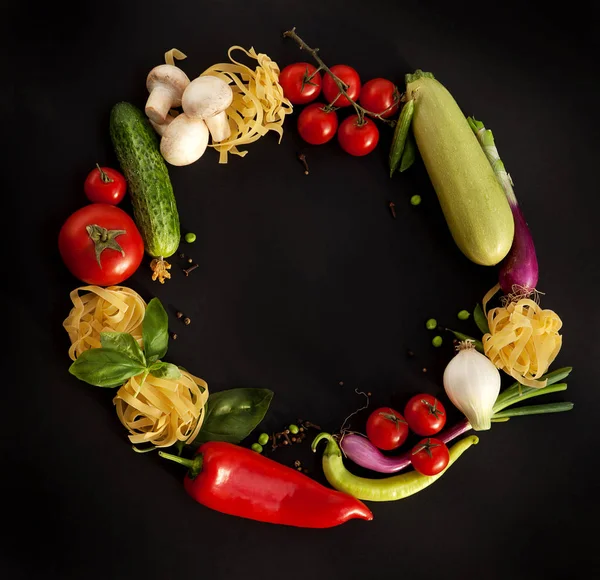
(231, 415)
(103, 367)
(155, 330)
(124, 343)
(164, 370)
(480, 319)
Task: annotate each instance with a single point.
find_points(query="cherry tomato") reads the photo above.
(358, 139)
(331, 91)
(425, 415)
(430, 456)
(100, 244)
(301, 83)
(386, 428)
(316, 125)
(380, 96)
(105, 185)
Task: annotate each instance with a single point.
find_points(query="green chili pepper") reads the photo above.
(400, 135)
(384, 489)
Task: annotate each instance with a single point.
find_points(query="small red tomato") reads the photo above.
(105, 185)
(425, 415)
(331, 91)
(430, 456)
(386, 428)
(358, 139)
(301, 83)
(100, 244)
(380, 96)
(317, 125)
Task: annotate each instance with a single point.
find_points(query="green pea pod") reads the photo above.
(400, 135)
(410, 153)
(385, 489)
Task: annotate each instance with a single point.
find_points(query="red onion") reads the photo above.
(519, 270)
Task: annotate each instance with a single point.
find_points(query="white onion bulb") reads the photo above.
(472, 383)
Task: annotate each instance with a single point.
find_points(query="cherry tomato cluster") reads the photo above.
(100, 243)
(318, 123)
(425, 416)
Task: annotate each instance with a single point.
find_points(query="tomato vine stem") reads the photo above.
(360, 111)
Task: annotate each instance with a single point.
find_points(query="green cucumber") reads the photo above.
(472, 200)
(136, 145)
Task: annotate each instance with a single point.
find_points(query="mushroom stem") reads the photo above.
(158, 104)
(219, 128)
(161, 127)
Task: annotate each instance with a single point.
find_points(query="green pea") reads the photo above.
(436, 341)
(190, 237)
(463, 314)
(415, 200)
(263, 439)
(431, 324)
(257, 447)
(293, 429)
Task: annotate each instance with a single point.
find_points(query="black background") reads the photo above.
(303, 282)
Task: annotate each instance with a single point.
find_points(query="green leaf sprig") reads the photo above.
(121, 357)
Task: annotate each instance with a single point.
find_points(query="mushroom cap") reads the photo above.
(206, 96)
(168, 76)
(184, 140)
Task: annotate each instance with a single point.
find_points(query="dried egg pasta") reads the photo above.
(110, 309)
(258, 104)
(162, 412)
(523, 340)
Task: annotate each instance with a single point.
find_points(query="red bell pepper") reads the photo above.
(240, 482)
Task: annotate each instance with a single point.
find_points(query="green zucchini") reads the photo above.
(136, 145)
(472, 200)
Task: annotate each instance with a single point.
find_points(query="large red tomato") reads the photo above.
(100, 244)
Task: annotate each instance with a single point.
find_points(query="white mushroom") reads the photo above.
(166, 84)
(160, 127)
(184, 140)
(208, 97)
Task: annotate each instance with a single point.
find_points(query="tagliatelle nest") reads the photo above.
(156, 411)
(258, 105)
(523, 340)
(162, 411)
(110, 309)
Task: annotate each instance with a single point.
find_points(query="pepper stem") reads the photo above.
(194, 465)
(332, 446)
